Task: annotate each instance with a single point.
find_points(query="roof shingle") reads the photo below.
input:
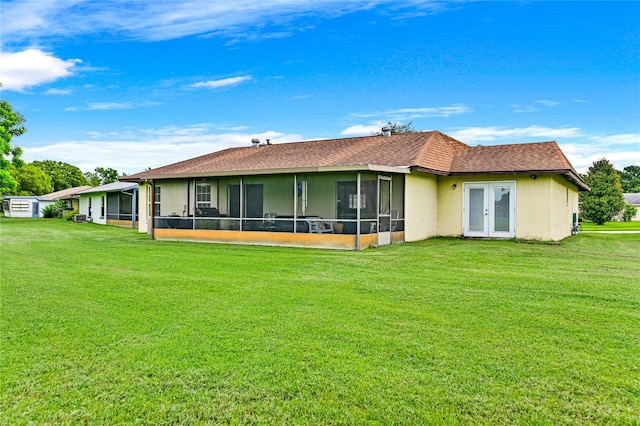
(432, 151)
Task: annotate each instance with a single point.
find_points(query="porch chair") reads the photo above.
(394, 219)
(317, 226)
(269, 219)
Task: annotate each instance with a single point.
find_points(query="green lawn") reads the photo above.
(611, 226)
(100, 325)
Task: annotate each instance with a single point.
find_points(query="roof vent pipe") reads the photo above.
(255, 142)
(386, 131)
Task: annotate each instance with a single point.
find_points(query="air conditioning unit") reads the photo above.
(78, 218)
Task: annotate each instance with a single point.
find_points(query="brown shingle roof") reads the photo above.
(432, 152)
(429, 150)
(540, 156)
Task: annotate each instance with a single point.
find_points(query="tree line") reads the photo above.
(38, 177)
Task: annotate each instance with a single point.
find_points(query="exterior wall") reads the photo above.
(544, 206)
(145, 198)
(320, 188)
(421, 206)
(565, 204)
(98, 207)
(174, 197)
(14, 212)
(450, 206)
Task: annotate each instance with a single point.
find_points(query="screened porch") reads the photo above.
(318, 203)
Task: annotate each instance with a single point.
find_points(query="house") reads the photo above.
(354, 193)
(634, 200)
(33, 205)
(111, 204)
(21, 206)
(69, 196)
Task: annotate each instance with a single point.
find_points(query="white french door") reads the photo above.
(489, 209)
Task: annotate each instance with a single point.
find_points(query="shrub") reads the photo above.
(54, 210)
(68, 214)
(50, 211)
(629, 211)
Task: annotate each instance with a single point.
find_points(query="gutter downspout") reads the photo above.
(152, 213)
(359, 181)
(295, 203)
(134, 208)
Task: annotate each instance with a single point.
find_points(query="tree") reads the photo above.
(101, 176)
(31, 180)
(63, 175)
(11, 125)
(605, 200)
(398, 128)
(630, 178)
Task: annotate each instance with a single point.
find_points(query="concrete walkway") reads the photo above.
(609, 232)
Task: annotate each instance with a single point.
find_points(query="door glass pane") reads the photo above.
(384, 206)
(476, 209)
(385, 199)
(501, 209)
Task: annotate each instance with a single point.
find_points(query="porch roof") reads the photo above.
(110, 187)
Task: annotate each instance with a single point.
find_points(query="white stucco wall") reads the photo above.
(421, 206)
(98, 207)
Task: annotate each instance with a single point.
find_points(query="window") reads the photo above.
(5, 205)
(20, 206)
(156, 201)
(203, 195)
(353, 201)
(102, 206)
(89, 206)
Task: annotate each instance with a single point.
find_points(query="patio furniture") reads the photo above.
(318, 226)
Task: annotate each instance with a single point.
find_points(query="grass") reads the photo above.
(101, 325)
(611, 226)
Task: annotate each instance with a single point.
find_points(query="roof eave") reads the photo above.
(293, 170)
(570, 175)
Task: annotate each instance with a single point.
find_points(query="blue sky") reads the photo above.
(137, 84)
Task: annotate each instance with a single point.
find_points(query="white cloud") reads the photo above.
(20, 70)
(621, 139)
(111, 106)
(133, 150)
(214, 84)
(582, 156)
(406, 114)
(524, 108)
(363, 130)
(486, 134)
(58, 92)
(547, 103)
(153, 20)
(102, 106)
